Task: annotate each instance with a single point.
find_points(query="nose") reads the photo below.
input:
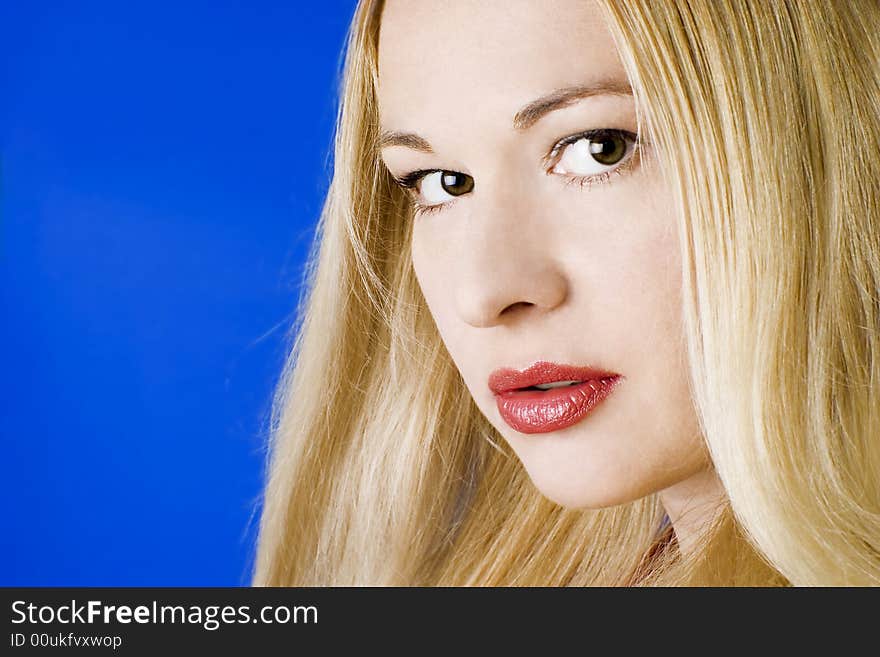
(507, 264)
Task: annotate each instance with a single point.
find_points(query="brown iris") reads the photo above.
(456, 184)
(608, 149)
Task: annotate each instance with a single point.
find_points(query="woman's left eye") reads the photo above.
(593, 155)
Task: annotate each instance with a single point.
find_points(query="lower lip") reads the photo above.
(542, 411)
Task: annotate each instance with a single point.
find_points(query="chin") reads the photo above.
(586, 495)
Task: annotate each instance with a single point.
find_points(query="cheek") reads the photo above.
(428, 269)
(649, 332)
(435, 260)
(433, 268)
(656, 336)
(633, 285)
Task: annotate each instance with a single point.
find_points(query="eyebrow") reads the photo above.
(525, 117)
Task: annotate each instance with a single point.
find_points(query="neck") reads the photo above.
(692, 505)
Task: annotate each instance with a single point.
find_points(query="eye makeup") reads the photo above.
(412, 181)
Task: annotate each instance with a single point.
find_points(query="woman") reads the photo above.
(594, 302)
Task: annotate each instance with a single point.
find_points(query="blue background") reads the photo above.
(163, 168)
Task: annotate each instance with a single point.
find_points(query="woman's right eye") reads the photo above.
(434, 188)
(436, 184)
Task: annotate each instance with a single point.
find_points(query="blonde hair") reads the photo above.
(765, 118)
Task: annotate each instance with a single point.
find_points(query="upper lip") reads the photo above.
(505, 379)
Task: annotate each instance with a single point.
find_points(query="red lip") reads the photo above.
(542, 411)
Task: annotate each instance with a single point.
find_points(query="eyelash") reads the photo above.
(410, 180)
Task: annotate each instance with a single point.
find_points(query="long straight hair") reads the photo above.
(765, 121)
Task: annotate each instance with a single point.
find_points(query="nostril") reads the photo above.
(514, 306)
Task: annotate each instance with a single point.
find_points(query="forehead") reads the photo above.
(488, 57)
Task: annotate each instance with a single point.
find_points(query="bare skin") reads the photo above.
(519, 263)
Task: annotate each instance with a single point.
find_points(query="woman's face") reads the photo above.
(541, 245)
